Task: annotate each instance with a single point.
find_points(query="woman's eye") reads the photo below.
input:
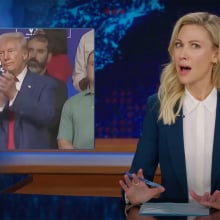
(195, 46)
(177, 44)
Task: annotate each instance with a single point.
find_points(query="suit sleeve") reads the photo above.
(146, 155)
(37, 102)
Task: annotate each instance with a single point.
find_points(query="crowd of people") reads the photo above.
(33, 93)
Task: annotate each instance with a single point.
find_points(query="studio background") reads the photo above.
(131, 40)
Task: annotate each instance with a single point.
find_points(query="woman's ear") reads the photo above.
(215, 57)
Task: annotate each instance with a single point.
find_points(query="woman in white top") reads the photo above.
(182, 123)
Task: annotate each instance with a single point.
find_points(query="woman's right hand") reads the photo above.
(137, 191)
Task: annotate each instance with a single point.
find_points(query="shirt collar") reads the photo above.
(190, 102)
(20, 78)
(87, 92)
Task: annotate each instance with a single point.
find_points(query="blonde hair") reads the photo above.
(171, 91)
(18, 36)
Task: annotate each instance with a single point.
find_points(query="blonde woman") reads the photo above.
(182, 123)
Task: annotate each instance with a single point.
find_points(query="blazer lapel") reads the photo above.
(28, 81)
(25, 89)
(215, 176)
(176, 151)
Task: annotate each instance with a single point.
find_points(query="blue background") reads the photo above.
(131, 39)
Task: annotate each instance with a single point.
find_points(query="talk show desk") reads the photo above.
(46, 207)
(69, 184)
(71, 172)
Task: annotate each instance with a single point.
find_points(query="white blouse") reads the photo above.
(198, 134)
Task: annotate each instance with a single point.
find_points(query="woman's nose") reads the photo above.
(183, 53)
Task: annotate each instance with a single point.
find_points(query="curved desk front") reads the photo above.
(44, 207)
(88, 173)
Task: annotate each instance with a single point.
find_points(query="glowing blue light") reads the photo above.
(110, 20)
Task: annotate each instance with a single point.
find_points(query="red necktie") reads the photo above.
(11, 144)
(11, 117)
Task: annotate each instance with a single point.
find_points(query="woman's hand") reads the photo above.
(137, 191)
(210, 201)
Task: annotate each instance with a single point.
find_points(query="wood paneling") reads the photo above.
(88, 172)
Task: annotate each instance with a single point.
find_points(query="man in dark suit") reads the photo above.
(27, 100)
(39, 48)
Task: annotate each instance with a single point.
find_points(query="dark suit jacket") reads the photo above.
(35, 111)
(163, 144)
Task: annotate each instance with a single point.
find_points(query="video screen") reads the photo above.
(47, 88)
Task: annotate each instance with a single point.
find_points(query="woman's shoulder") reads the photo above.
(153, 98)
(153, 101)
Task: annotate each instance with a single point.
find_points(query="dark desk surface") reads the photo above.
(133, 215)
(45, 207)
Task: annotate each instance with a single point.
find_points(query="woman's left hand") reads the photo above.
(210, 201)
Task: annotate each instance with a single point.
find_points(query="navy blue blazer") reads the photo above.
(35, 110)
(163, 144)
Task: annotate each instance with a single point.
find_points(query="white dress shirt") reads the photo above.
(198, 134)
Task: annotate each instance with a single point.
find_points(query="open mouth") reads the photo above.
(185, 68)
